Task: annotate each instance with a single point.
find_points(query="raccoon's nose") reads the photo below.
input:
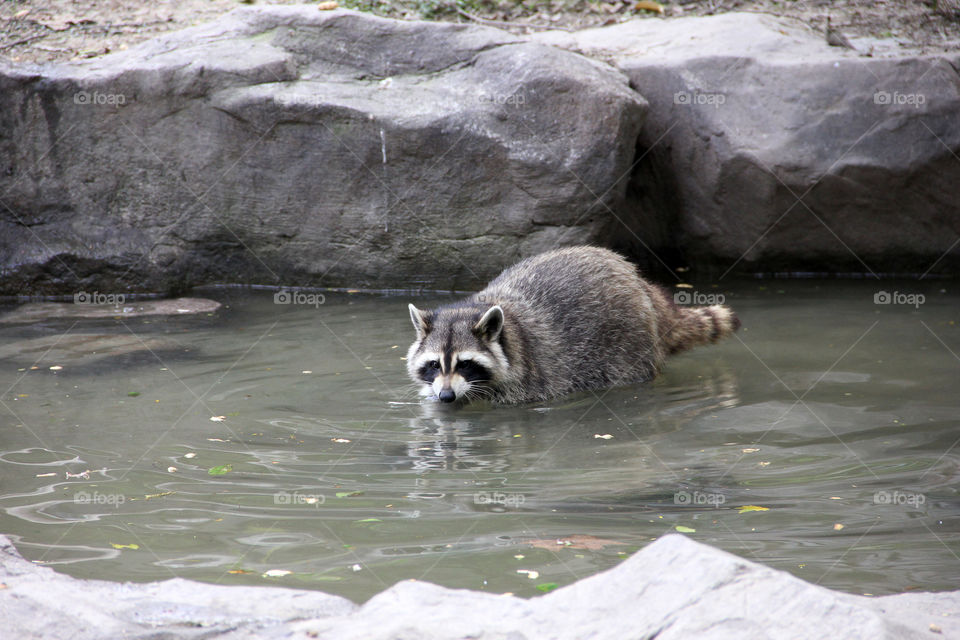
(447, 395)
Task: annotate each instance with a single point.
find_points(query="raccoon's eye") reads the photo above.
(433, 364)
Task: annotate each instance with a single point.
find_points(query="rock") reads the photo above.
(674, 588)
(285, 145)
(765, 149)
(39, 311)
(39, 603)
(80, 349)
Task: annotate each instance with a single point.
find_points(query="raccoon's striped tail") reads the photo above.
(682, 327)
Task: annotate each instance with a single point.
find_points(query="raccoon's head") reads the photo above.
(457, 353)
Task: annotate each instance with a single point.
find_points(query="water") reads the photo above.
(838, 415)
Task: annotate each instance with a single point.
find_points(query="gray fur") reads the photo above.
(567, 320)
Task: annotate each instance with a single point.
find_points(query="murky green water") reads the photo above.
(838, 415)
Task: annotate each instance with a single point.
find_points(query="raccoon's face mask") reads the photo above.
(456, 355)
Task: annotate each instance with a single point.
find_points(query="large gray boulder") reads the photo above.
(765, 149)
(296, 146)
(674, 588)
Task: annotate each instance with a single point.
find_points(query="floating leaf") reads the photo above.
(217, 418)
(751, 507)
(348, 494)
(124, 546)
(530, 573)
(369, 520)
(683, 529)
(158, 495)
(276, 573)
(837, 527)
(240, 571)
(547, 587)
(578, 541)
(605, 436)
(133, 394)
(221, 469)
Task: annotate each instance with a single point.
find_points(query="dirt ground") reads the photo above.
(62, 30)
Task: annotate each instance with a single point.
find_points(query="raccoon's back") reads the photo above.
(589, 316)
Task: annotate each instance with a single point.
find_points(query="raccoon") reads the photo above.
(566, 320)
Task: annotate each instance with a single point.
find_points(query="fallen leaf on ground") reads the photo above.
(649, 5)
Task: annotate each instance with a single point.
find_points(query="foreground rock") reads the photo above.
(287, 145)
(674, 588)
(765, 149)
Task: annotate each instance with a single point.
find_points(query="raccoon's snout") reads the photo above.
(447, 395)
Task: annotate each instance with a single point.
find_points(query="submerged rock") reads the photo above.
(39, 311)
(286, 145)
(674, 588)
(77, 349)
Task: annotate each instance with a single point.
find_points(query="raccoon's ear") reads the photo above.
(490, 325)
(420, 322)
